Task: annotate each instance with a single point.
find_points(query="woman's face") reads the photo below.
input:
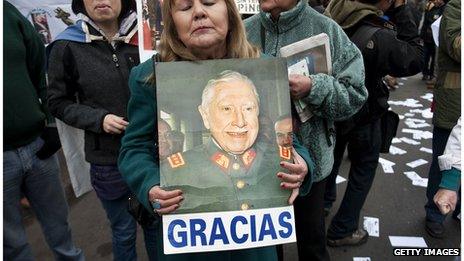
(103, 11)
(201, 24)
(275, 7)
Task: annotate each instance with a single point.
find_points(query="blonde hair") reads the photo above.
(172, 48)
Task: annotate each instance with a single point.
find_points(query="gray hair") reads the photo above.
(225, 76)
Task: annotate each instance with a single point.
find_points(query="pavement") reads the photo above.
(393, 200)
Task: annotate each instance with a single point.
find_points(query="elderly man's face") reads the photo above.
(283, 129)
(232, 116)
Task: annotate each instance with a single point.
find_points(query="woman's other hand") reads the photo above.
(167, 201)
(294, 178)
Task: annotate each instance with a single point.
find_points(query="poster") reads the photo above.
(233, 123)
(150, 23)
(247, 6)
(49, 17)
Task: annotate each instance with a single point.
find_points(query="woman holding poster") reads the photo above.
(193, 30)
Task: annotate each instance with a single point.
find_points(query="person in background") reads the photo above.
(446, 107)
(88, 69)
(446, 197)
(30, 166)
(222, 36)
(434, 9)
(388, 47)
(332, 98)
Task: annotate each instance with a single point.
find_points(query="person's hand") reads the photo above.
(168, 201)
(294, 178)
(300, 85)
(445, 200)
(113, 124)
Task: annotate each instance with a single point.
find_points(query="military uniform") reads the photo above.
(214, 180)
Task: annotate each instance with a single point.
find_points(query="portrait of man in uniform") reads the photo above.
(233, 169)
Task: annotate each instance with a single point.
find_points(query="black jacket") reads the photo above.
(87, 81)
(429, 17)
(398, 53)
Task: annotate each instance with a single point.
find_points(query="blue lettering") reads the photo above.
(253, 228)
(267, 221)
(197, 232)
(217, 225)
(233, 229)
(285, 224)
(181, 234)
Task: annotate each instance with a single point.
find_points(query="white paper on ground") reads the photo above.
(361, 259)
(409, 114)
(407, 103)
(416, 163)
(426, 113)
(412, 175)
(387, 165)
(415, 120)
(396, 151)
(428, 96)
(411, 131)
(371, 225)
(404, 78)
(426, 150)
(412, 124)
(401, 83)
(401, 117)
(409, 141)
(396, 140)
(339, 179)
(420, 182)
(407, 241)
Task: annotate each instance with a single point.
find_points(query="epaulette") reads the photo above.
(176, 160)
(285, 153)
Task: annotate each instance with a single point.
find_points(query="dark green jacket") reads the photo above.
(447, 92)
(24, 91)
(140, 169)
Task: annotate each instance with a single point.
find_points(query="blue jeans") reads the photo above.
(123, 225)
(39, 181)
(440, 137)
(363, 144)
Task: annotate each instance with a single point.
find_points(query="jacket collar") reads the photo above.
(287, 20)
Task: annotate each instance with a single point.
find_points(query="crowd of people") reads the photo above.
(96, 83)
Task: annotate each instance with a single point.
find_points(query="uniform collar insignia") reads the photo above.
(176, 160)
(248, 157)
(285, 153)
(221, 160)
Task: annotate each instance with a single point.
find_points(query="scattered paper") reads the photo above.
(412, 175)
(418, 134)
(387, 165)
(401, 116)
(428, 96)
(421, 182)
(407, 241)
(416, 163)
(426, 150)
(396, 140)
(415, 120)
(396, 151)
(404, 78)
(409, 114)
(407, 103)
(412, 124)
(361, 259)
(401, 83)
(409, 141)
(339, 179)
(426, 113)
(371, 225)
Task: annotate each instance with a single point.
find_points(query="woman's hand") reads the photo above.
(294, 178)
(168, 201)
(113, 124)
(300, 86)
(445, 200)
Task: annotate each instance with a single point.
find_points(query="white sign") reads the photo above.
(217, 231)
(247, 6)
